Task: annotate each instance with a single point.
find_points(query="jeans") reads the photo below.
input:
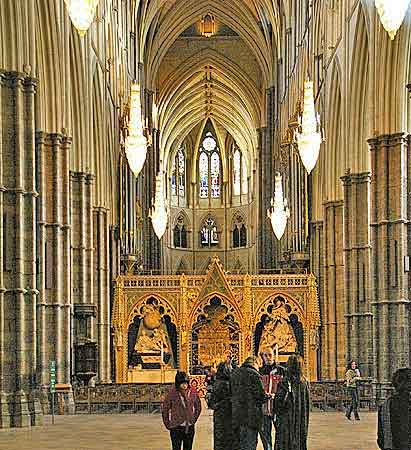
(179, 436)
(248, 438)
(354, 402)
(266, 433)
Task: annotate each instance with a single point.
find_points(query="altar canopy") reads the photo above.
(192, 322)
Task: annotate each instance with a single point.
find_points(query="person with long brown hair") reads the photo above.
(292, 408)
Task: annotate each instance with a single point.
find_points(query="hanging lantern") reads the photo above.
(158, 213)
(309, 140)
(136, 143)
(81, 13)
(279, 211)
(392, 14)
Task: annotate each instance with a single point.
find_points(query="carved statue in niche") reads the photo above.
(278, 331)
(153, 345)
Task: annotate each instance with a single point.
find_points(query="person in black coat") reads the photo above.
(248, 396)
(223, 428)
(292, 409)
(394, 415)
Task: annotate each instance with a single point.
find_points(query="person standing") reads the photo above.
(181, 410)
(248, 397)
(352, 377)
(271, 375)
(394, 415)
(221, 403)
(292, 408)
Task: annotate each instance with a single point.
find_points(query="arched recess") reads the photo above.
(152, 307)
(334, 147)
(216, 324)
(359, 110)
(281, 322)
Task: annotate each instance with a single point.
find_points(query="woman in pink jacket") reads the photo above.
(181, 410)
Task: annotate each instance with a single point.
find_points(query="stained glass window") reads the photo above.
(181, 173)
(173, 178)
(178, 174)
(237, 172)
(208, 233)
(209, 167)
(215, 175)
(203, 175)
(244, 187)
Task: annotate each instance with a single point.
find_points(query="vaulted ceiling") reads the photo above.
(223, 77)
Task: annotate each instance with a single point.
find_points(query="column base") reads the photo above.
(5, 416)
(20, 412)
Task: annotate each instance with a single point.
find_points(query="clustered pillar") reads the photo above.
(54, 306)
(390, 240)
(19, 405)
(357, 252)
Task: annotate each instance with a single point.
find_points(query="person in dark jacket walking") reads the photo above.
(223, 427)
(394, 415)
(248, 397)
(271, 374)
(181, 410)
(292, 406)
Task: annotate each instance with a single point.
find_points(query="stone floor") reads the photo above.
(328, 431)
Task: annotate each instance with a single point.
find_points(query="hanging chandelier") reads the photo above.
(136, 143)
(279, 211)
(81, 13)
(309, 140)
(158, 213)
(392, 14)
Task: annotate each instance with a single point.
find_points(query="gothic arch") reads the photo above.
(135, 309)
(294, 304)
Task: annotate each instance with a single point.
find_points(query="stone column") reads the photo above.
(390, 240)
(54, 307)
(102, 291)
(85, 308)
(317, 268)
(334, 347)
(19, 405)
(357, 252)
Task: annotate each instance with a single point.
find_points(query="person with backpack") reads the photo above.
(220, 402)
(181, 410)
(352, 377)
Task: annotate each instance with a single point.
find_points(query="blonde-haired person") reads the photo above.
(248, 396)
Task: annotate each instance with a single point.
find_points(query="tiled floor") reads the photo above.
(328, 431)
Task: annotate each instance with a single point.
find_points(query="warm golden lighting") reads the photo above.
(136, 143)
(158, 213)
(392, 13)
(279, 212)
(309, 140)
(207, 26)
(81, 13)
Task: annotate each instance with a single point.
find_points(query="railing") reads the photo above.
(147, 398)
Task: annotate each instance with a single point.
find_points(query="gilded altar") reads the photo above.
(191, 322)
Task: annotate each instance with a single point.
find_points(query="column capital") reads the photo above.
(388, 140)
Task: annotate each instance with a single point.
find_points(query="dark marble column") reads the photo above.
(390, 240)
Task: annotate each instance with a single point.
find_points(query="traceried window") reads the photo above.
(180, 234)
(208, 233)
(239, 233)
(178, 174)
(209, 168)
(240, 182)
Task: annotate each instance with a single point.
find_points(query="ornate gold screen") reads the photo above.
(216, 313)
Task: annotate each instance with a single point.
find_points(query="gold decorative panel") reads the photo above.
(217, 314)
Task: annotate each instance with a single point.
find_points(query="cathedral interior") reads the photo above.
(186, 180)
